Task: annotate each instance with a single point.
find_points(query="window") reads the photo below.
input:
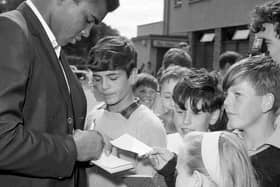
(241, 34)
(207, 37)
(178, 3)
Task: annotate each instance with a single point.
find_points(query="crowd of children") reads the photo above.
(206, 128)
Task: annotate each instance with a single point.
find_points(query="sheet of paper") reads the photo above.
(130, 143)
(112, 164)
(174, 142)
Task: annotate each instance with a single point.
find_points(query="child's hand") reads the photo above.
(159, 157)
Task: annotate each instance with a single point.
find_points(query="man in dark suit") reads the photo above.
(42, 106)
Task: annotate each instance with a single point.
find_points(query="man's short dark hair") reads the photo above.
(175, 56)
(266, 13)
(113, 53)
(112, 5)
(228, 57)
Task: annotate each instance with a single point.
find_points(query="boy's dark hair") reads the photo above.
(113, 53)
(174, 73)
(266, 13)
(145, 79)
(228, 57)
(201, 86)
(261, 71)
(175, 56)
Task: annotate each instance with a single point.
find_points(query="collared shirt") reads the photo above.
(51, 37)
(128, 110)
(273, 140)
(50, 34)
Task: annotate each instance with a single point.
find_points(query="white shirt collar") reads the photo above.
(50, 34)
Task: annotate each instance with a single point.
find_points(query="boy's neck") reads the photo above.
(257, 134)
(123, 104)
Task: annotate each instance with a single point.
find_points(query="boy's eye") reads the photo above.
(96, 79)
(167, 96)
(179, 111)
(113, 77)
(237, 94)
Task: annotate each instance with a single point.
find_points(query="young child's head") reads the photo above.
(113, 62)
(145, 87)
(253, 91)
(167, 82)
(214, 159)
(177, 57)
(201, 100)
(227, 59)
(113, 53)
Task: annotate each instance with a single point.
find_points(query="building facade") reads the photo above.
(151, 48)
(210, 26)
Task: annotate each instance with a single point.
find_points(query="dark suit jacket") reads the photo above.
(37, 113)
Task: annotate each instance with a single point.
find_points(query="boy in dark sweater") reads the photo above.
(253, 97)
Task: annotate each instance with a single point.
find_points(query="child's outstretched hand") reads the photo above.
(159, 157)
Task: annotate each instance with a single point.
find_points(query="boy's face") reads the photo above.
(114, 86)
(243, 105)
(166, 92)
(271, 39)
(146, 94)
(195, 121)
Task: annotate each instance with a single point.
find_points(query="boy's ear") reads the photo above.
(132, 76)
(267, 102)
(214, 117)
(198, 180)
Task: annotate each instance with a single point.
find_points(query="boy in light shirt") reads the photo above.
(113, 62)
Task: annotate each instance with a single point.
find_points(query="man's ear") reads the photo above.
(132, 76)
(198, 180)
(214, 117)
(267, 102)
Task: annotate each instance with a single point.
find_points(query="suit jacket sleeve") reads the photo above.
(23, 151)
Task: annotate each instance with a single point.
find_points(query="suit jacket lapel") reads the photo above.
(37, 30)
(77, 94)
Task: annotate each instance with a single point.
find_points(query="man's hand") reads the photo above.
(89, 144)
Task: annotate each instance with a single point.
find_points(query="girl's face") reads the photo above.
(166, 92)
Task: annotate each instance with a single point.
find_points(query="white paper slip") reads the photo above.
(130, 143)
(112, 164)
(174, 142)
